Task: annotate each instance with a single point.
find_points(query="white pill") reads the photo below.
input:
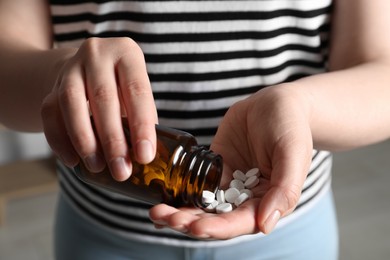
(253, 172)
(221, 196)
(212, 206)
(251, 182)
(224, 208)
(231, 194)
(241, 199)
(239, 185)
(248, 192)
(208, 196)
(239, 175)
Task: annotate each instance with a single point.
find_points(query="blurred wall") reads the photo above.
(19, 146)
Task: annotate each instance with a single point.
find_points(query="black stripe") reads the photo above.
(187, 16)
(314, 182)
(116, 226)
(209, 113)
(187, 37)
(91, 189)
(209, 131)
(319, 164)
(208, 95)
(73, 2)
(195, 57)
(313, 196)
(103, 208)
(317, 152)
(193, 77)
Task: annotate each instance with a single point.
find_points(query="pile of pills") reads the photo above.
(239, 191)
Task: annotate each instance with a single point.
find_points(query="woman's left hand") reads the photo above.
(271, 131)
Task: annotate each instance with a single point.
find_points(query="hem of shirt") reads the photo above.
(204, 243)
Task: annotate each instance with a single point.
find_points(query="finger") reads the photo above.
(240, 221)
(103, 98)
(161, 213)
(197, 223)
(287, 178)
(55, 132)
(75, 113)
(139, 104)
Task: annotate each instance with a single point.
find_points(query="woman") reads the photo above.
(277, 78)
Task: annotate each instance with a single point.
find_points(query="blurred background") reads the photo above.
(28, 193)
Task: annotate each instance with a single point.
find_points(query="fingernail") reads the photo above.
(94, 162)
(181, 229)
(145, 152)
(70, 160)
(119, 169)
(203, 236)
(158, 226)
(271, 221)
(159, 222)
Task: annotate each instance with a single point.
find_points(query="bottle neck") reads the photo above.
(203, 171)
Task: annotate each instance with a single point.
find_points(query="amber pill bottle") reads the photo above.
(177, 176)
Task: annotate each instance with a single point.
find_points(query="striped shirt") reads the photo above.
(202, 57)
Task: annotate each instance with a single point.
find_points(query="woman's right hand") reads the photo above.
(105, 78)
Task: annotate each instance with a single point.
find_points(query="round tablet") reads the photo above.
(224, 208)
(251, 182)
(248, 192)
(208, 196)
(231, 194)
(241, 199)
(235, 183)
(221, 196)
(239, 175)
(211, 207)
(253, 172)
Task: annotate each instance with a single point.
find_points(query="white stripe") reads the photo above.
(134, 211)
(229, 45)
(190, 123)
(318, 159)
(205, 140)
(197, 105)
(193, 27)
(110, 217)
(187, 6)
(217, 46)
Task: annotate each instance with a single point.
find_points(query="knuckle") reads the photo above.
(102, 95)
(92, 45)
(291, 197)
(68, 93)
(135, 88)
(114, 147)
(46, 108)
(131, 49)
(129, 43)
(79, 141)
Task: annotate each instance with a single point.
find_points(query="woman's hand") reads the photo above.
(271, 131)
(106, 78)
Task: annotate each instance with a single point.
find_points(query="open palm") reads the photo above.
(270, 130)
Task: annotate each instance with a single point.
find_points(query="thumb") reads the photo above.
(276, 203)
(286, 181)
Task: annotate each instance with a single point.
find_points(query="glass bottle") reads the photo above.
(177, 176)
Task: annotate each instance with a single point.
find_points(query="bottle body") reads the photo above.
(177, 176)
